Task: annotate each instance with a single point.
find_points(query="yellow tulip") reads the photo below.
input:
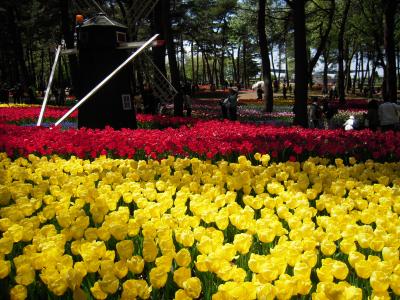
(334, 291)
(181, 295)
(395, 283)
(109, 284)
(328, 247)
(380, 296)
(158, 278)
(339, 270)
(133, 288)
(201, 263)
(390, 254)
(354, 257)
(347, 246)
(18, 292)
(302, 270)
(377, 244)
(164, 262)
(243, 242)
(97, 292)
(121, 269)
(266, 291)
(238, 274)
(183, 257)
(181, 275)
(379, 281)
(353, 293)
(205, 246)
(25, 275)
(325, 274)
(119, 231)
(149, 250)
(6, 245)
(16, 232)
(135, 264)
(192, 287)
(5, 268)
(125, 249)
(363, 268)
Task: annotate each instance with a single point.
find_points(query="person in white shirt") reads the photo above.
(389, 113)
(350, 124)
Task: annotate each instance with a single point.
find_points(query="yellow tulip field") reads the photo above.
(185, 228)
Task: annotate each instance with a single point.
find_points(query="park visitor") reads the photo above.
(315, 114)
(389, 114)
(350, 124)
(371, 120)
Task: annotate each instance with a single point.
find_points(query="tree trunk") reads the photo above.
(197, 65)
(398, 67)
(325, 54)
(341, 75)
(348, 60)
(67, 29)
(209, 71)
(214, 71)
(371, 81)
(159, 23)
(238, 66)
(17, 45)
(222, 63)
(355, 75)
(279, 61)
(41, 85)
(301, 68)
(192, 59)
(183, 60)
(175, 78)
(287, 65)
(244, 63)
(365, 75)
(272, 61)
(391, 82)
(203, 60)
(233, 65)
(266, 67)
(361, 71)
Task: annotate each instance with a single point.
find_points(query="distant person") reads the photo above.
(324, 91)
(31, 95)
(290, 88)
(225, 84)
(212, 87)
(259, 93)
(233, 99)
(372, 117)
(389, 113)
(350, 124)
(284, 91)
(224, 103)
(331, 94)
(329, 112)
(17, 94)
(187, 105)
(315, 114)
(335, 93)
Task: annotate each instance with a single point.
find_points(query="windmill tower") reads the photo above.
(101, 42)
